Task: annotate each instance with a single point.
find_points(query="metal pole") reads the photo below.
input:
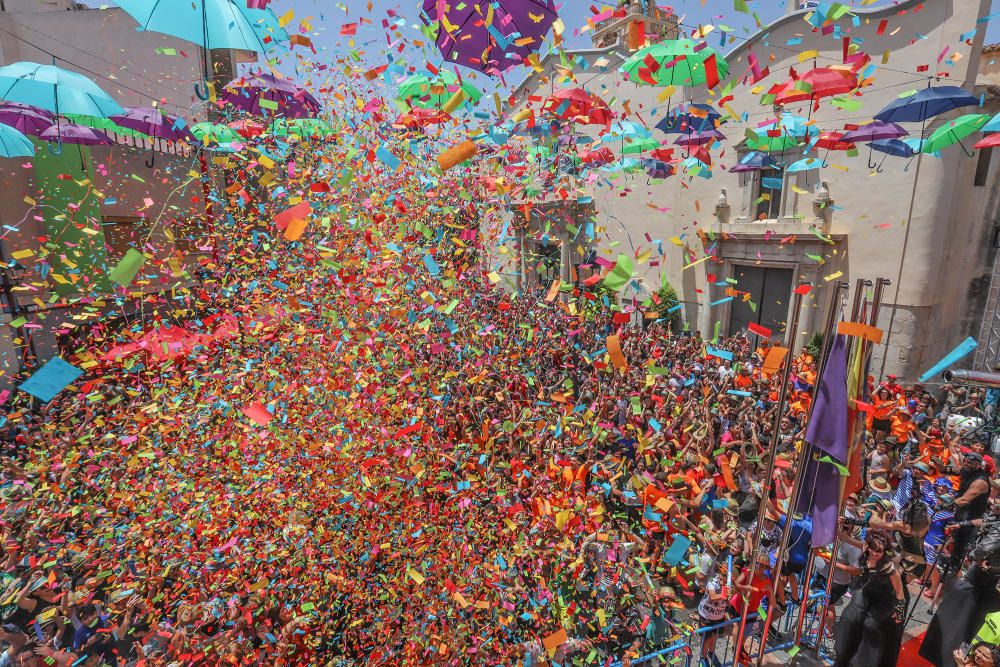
(772, 449)
(793, 501)
(880, 286)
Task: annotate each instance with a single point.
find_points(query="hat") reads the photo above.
(891, 440)
(772, 514)
(731, 508)
(891, 377)
(880, 485)
(945, 483)
(922, 467)
(972, 457)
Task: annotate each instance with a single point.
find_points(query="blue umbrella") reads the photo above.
(895, 147)
(57, 90)
(14, 144)
(211, 24)
(993, 125)
(678, 120)
(657, 168)
(792, 125)
(925, 104)
(695, 167)
(754, 161)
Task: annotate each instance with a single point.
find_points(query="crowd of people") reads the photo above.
(373, 462)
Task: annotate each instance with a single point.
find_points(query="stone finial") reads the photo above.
(722, 207)
(823, 206)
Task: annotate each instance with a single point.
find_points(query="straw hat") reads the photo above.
(880, 485)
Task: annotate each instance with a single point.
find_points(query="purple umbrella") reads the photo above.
(76, 134)
(292, 100)
(874, 131)
(154, 123)
(25, 118)
(517, 30)
(700, 138)
(755, 161)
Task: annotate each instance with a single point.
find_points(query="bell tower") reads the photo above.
(633, 23)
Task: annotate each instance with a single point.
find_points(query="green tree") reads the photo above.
(667, 297)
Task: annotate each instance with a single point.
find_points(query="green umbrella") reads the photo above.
(762, 142)
(639, 145)
(954, 131)
(677, 63)
(310, 127)
(106, 125)
(422, 91)
(211, 133)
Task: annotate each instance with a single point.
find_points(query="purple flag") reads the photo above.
(828, 427)
(829, 434)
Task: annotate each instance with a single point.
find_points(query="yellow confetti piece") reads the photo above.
(833, 276)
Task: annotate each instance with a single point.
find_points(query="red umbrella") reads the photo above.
(247, 128)
(579, 106)
(988, 141)
(420, 117)
(814, 85)
(832, 141)
(598, 157)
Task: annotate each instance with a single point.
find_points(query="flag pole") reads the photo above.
(790, 335)
(786, 531)
(880, 286)
(856, 306)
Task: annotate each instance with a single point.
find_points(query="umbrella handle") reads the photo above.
(199, 93)
(57, 150)
(908, 163)
(965, 150)
(872, 165)
(151, 162)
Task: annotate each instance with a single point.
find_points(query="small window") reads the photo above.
(122, 233)
(770, 183)
(983, 167)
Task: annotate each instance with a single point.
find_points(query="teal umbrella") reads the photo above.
(14, 144)
(211, 24)
(57, 90)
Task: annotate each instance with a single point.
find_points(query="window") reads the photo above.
(770, 184)
(548, 263)
(122, 233)
(982, 167)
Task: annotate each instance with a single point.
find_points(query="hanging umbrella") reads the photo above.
(700, 138)
(25, 119)
(312, 127)
(54, 89)
(264, 22)
(624, 129)
(813, 86)
(993, 125)
(805, 164)
(280, 96)
(896, 147)
(925, 104)
(678, 121)
(831, 140)
(80, 135)
(695, 167)
(421, 117)
(211, 24)
(754, 161)
(248, 128)
(954, 131)
(989, 141)
(153, 123)
(792, 125)
(489, 35)
(420, 90)
(657, 168)
(599, 156)
(212, 134)
(14, 143)
(770, 144)
(578, 106)
(872, 131)
(673, 62)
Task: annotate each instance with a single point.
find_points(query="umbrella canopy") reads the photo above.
(805, 164)
(695, 167)
(989, 141)
(874, 131)
(153, 123)
(55, 89)
(579, 106)
(25, 119)
(657, 168)
(280, 96)
(210, 133)
(212, 24)
(700, 138)
(248, 128)
(813, 85)
(925, 104)
(792, 125)
(754, 161)
(684, 121)
(420, 117)
(489, 35)
(599, 156)
(105, 125)
(896, 147)
(771, 144)
(674, 62)
(76, 134)
(954, 131)
(312, 127)
(624, 130)
(420, 90)
(14, 143)
(993, 125)
(832, 140)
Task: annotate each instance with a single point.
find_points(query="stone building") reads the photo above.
(929, 224)
(107, 191)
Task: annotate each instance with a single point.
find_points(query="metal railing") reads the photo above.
(689, 648)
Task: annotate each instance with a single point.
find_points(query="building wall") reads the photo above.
(136, 68)
(945, 259)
